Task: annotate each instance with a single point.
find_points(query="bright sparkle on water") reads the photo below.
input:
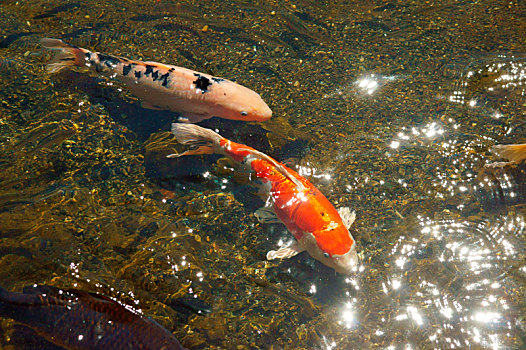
(455, 271)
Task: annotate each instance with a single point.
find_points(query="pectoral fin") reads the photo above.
(266, 215)
(193, 152)
(497, 165)
(285, 252)
(347, 216)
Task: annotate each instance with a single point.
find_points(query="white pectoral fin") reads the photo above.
(285, 252)
(495, 165)
(266, 215)
(347, 216)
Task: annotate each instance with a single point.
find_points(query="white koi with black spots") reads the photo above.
(196, 96)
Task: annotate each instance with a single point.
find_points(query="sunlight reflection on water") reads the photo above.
(447, 276)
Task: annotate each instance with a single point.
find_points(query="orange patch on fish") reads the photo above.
(196, 96)
(317, 226)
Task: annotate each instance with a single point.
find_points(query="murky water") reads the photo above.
(389, 108)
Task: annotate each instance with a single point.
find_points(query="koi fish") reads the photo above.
(513, 153)
(196, 96)
(80, 320)
(318, 227)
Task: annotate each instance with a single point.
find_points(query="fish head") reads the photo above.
(344, 263)
(342, 258)
(237, 102)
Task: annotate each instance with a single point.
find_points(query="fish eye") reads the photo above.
(244, 113)
(326, 255)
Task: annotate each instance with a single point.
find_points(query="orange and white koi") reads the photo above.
(317, 226)
(196, 96)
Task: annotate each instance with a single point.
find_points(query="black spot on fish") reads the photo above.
(171, 69)
(149, 70)
(202, 83)
(218, 80)
(164, 77)
(126, 69)
(138, 74)
(155, 75)
(109, 61)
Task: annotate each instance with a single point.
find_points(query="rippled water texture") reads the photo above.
(388, 107)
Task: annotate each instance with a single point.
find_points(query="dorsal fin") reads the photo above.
(280, 167)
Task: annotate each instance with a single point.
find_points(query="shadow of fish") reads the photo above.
(76, 319)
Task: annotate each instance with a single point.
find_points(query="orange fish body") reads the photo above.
(196, 96)
(305, 211)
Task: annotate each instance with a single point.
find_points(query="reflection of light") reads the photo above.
(486, 316)
(415, 315)
(348, 316)
(372, 82)
(447, 312)
(400, 262)
(395, 144)
(396, 284)
(368, 84)
(312, 172)
(312, 289)
(401, 317)
(331, 345)
(428, 131)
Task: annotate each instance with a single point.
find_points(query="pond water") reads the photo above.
(388, 107)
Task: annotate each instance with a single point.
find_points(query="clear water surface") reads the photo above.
(388, 107)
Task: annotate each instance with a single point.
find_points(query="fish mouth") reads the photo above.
(346, 263)
(260, 115)
(267, 114)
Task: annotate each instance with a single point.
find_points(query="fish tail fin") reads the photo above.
(66, 55)
(206, 140)
(513, 153)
